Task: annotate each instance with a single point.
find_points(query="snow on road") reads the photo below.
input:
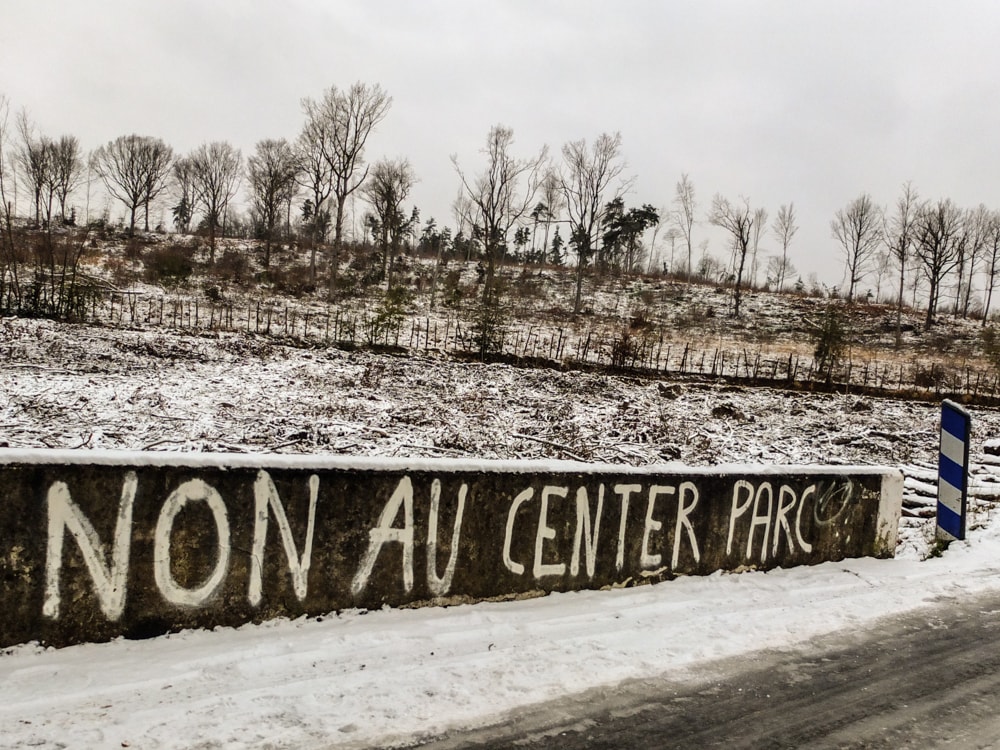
(359, 679)
(388, 677)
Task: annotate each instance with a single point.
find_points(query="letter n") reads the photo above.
(266, 497)
(109, 580)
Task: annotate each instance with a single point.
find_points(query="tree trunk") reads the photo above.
(991, 285)
(582, 254)
(386, 260)
(899, 306)
(931, 304)
(545, 243)
(338, 238)
(958, 289)
(968, 292)
(739, 281)
(490, 272)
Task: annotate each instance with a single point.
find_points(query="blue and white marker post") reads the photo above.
(953, 471)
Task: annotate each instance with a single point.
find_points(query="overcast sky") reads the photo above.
(795, 101)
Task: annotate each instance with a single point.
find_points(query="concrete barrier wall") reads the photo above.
(96, 545)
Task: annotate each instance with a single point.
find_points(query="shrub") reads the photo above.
(294, 280)
(932, 376)
(991, 345)
(451, 291)
(120, 271)
(641, 320)
(388, 317)
(489, 325)
(169, 265)
(53, 287)
(232, 266)
(830, 338)
(694, 315)
(624, 349)
(347, 284)
(527, 286)
(133, 249)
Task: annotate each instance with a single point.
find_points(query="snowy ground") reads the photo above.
(81, 387)
(387, 677)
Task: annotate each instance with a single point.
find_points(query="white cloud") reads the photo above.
(808, 102)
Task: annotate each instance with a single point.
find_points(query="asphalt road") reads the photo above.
(928, 679)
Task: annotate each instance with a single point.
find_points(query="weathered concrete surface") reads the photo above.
(96, 545)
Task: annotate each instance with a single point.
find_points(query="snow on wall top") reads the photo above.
(278, 461)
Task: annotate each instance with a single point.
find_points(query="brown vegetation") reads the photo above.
(646, 323)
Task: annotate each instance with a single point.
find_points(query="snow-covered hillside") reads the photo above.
(86, 387)
(359, 679)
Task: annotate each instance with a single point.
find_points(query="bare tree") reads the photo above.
(759, 230)
(336, 131)
(157, 181)
(502, 193)
(784, 229)
(916, 280)
(67, 167)
(939, 236)
(34, 157)
(738, 220)
(899, 235)
(709, 267)
(389, 185)
(134, 169)
(315, 175)
(880, 267)
(586, 180)
(466, 221)
(10, 282)
(50, 169)
(182, 173)
(215, 175)
(976, 227)
(673, 234)
(778, 268)
(548, 209)
(992, 261)
(271, 173)
(683, 216)
(662, 214)
(858, 229)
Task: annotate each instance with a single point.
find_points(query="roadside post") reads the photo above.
(953, 471)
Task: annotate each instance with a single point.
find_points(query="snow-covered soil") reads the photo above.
(355, 679)
(86, 387)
